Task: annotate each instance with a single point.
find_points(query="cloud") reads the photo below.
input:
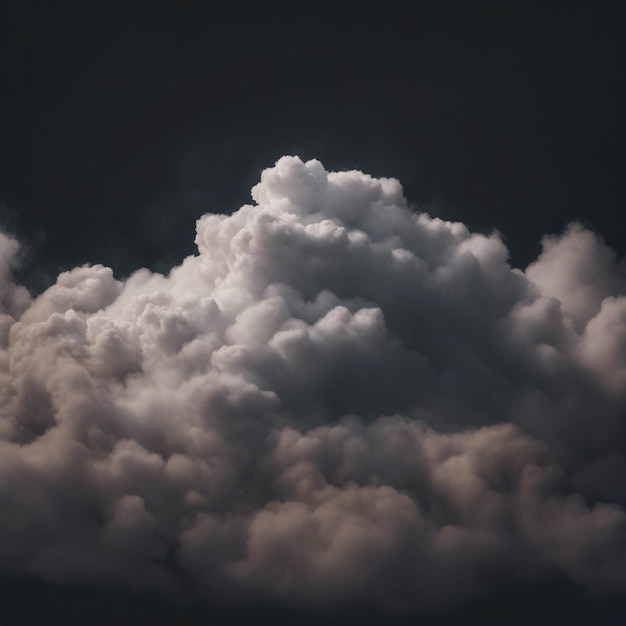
(337, 400)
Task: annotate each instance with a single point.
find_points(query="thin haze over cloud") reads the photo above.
(336, 400)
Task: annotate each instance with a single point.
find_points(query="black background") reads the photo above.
(123, 124)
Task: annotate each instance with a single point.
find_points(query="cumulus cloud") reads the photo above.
(337, 400)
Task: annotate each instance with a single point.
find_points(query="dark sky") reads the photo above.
(121, 125)
(500, 117)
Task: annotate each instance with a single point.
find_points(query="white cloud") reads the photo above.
(337, 399)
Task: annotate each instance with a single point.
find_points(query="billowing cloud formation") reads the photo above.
(337, 400)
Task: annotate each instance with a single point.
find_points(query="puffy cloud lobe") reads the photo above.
(13, 298)
(579, 271)
(337, 399)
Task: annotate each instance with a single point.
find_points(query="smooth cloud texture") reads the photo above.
(337, 400)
